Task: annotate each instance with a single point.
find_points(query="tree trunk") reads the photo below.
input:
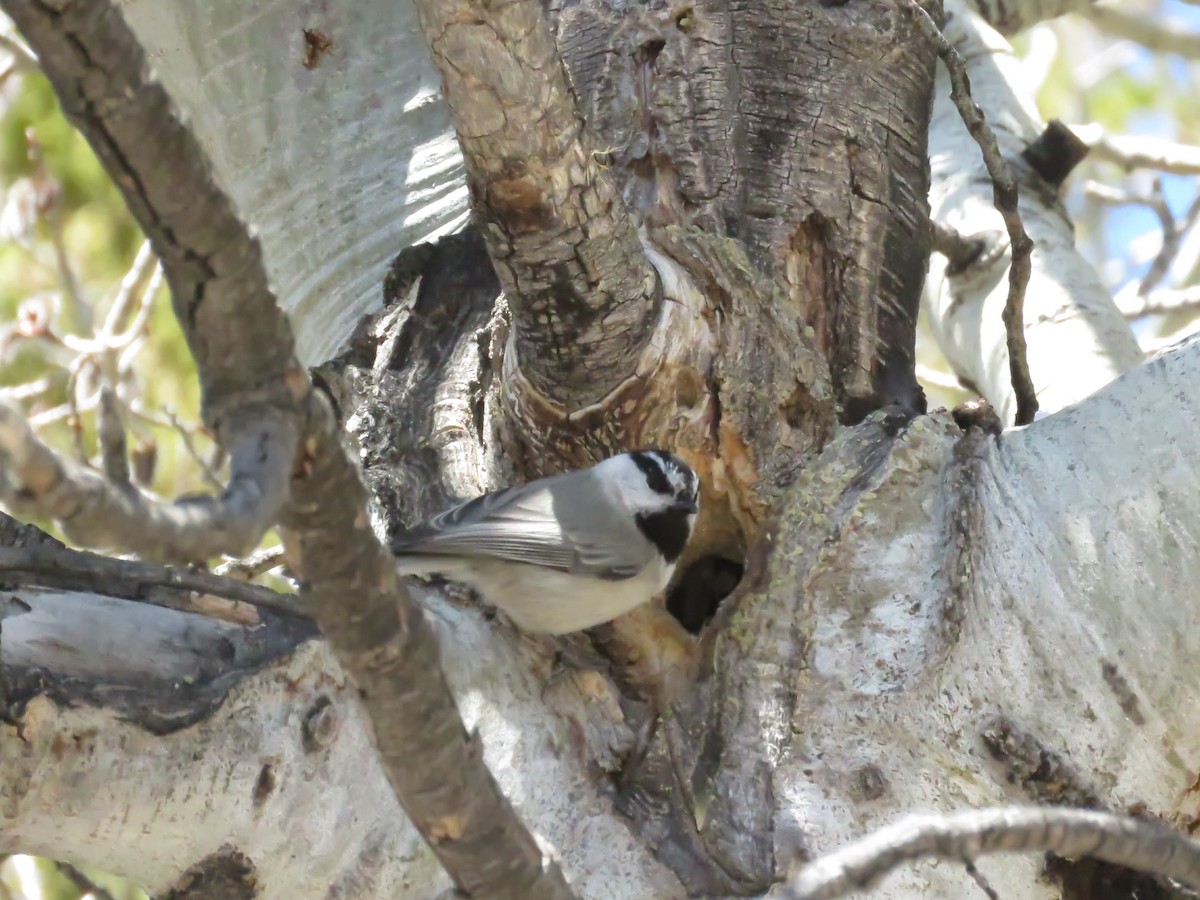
(924, 618)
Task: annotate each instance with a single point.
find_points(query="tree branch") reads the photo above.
(1145, 846)
(1132, 151)
(1013, 16)
(1005, 198)
(383, 639)
(567, 253)
(97, 512)
(1069, 313)
(1156, 202)
(1162, 301)
(960, 251)
(1144, 30)
(66, 569)
(83, 882)
(250, 382)
(253, 387)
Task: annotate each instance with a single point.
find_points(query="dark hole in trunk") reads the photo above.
(699, 591)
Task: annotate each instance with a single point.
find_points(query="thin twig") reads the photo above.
(61, 412)
(1005, 199)
(171, 421)
(74, 407)
(23, 57)
(72, 289)
(46, 565)
(979, 880)
(138, 328)
(80, 879)
(1156, 202)
(1145, 846)
(250, 567)
(1170, 240)
(110, 430)
(130, 286)
(31, 389)
(185, 438)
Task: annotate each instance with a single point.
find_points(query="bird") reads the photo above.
(567, 552)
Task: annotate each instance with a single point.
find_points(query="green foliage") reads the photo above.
(101, 240)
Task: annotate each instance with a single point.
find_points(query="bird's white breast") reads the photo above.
(548, 600)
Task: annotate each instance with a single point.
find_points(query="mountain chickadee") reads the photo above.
(567, 552)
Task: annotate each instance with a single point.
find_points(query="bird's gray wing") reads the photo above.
(523, 524)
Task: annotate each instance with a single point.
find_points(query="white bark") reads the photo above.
(1083, 559)
(1088, 559)
(338, 167)
(1078, 340)
(85, 785)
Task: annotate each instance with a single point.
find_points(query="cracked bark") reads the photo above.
(583, 295)
(832, 205)
(251, 382)
(808, 715)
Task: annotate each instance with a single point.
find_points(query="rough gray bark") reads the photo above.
(255, 393)
(583, 296)
(832, 206)
(885, 622)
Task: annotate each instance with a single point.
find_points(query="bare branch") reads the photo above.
(132, 285)
(1145, 30)
(1145, 846)
(1010, 17)
(252, 566)
(1163, 301)
(98, 513)
(383, 639)
(114, 454)
(1156, 202)
(48, 565)
(959, 249)
(250, 382)
(85, 884)
(1132, 151)
(22, 56)
(583, 293)
(1005, 198)
(258, 400)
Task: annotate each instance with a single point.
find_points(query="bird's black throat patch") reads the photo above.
(668, 530)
